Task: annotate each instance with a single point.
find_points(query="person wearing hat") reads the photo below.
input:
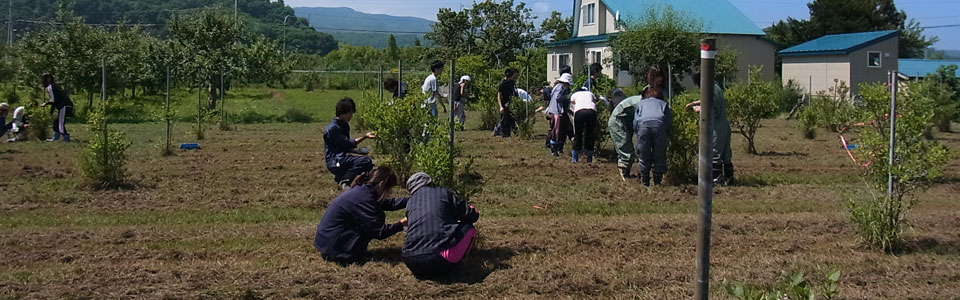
(558, 111)
(460, 96)
(18, 127)
(440, 229)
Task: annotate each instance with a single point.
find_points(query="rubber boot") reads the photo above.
(728, 173)
(56, 136)
(645, 179)
(574, 156)
(657, 179)
(66, 138)
(589, 157)
(717, 174)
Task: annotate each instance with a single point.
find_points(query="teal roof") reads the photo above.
(717, 16)
(839, 44)
(922, 67)
(580, 40)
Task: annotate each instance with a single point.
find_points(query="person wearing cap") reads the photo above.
(440, 229)
(505, 92)
(339, 147)
(460, 96)
(18, 127)
(60, 104)
(558, 111)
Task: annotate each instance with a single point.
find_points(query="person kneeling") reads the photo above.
(357, 216)
(440, 231)
(339, 148)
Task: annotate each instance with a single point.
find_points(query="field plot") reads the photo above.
(236, 220)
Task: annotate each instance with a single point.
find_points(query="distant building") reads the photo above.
(596, 20)
(919, 68)
(854, 58)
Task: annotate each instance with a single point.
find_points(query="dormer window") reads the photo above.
(589, 13)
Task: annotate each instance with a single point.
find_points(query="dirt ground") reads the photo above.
(236, 220)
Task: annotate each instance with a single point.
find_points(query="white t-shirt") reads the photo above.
(429, 87)
(523, 95)
(582, 100)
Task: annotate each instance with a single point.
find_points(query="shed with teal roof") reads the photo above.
(851, 58)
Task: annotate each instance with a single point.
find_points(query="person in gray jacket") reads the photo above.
(722, 154)
(652, 121)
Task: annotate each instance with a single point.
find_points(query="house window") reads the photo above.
(588, 12)
(873, 59)
(597, 57)
(564, 60)
(553, 62)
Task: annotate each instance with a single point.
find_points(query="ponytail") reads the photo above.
(376, 176)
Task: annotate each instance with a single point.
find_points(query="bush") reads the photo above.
(792, 286)
(11, 97)
(103, 162)
(684, 141)
(401, 125)
(525, 115)
(917, 161)
(603, 88)
(749, 103)
(251, 116)
(295, 115)
(41, 122)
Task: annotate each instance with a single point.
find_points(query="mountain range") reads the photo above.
(356, 28)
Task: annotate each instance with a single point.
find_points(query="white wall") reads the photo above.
(822, 69)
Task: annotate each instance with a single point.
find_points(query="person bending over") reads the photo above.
(339, 148)
(652, 123)
(440, 231)
(357, 216)
(584, 124)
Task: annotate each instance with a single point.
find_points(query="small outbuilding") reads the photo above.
(854, 58)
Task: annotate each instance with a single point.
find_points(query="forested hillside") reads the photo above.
(356, 28)
(260, 16)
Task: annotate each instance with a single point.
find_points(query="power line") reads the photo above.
(941, 26)
(373, 31)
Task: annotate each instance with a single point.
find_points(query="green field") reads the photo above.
(236, 220)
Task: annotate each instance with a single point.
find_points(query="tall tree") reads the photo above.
(849, 16)
(557, 27)
(662, 37)
(392, 51)
(497, 31)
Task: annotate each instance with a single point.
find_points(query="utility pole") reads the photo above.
(453, 78)
(283, 54)
(708, 54)
(236, 6)
(6, 54)
(893, 130)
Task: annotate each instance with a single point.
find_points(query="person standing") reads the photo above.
(440, 229)
(722, 154)
(584, 124)
(338, 147)
(60, 104)
(430, 87)
(505, 92)
(461, 93)
(652, 123)
(357, 216)
(595, 72)
(557, 112)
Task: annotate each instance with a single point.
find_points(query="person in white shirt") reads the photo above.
(584, 124)
(430, 87)
(18, 127)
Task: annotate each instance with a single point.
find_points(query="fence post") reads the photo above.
(223, 104)
(380, 82)
(453, 78)
(708, 53)
(103, 97)
(893, 130)
(199, 105)
(167, 116)
(400, 77)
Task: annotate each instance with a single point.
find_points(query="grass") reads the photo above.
(236, 219)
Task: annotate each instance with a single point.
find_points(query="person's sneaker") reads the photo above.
(556, 154)
(344, 186)
(624, 173)
(66, 138)
(589, 157)
(51, 140)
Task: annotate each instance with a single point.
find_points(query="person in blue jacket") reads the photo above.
(440, 231)
(652, 121)
(338, 147)
(357, 216)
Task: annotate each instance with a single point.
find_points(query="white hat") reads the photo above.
(566, 78)
(4, 106)
(464, 78)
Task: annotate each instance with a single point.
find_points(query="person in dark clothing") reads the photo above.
(440, 231)
(652, 121)
(584, 108)
(461, 93)
(722, 154)
(616, 97)
(4, 126)
(60, 104)
(655, 79)
(596, 70)
(505, 91)
(357, 216)
(338, 146)
(397, 88)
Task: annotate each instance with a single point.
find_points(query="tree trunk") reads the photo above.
(214, 92)
(944, 125)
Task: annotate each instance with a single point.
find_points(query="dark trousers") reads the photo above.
(559, 131)
(584, 128)
(506, 124)
(350, 167)
(652, 142)
(429, 265)
(59, 121)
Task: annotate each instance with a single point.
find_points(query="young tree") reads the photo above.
(947, 111)
(392, 51)
(204, 45)
(750, 102)
(497, 31)
(662, 37)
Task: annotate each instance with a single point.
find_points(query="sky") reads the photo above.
(761, 12)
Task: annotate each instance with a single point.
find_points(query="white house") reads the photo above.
(596, 20)
(854, 58)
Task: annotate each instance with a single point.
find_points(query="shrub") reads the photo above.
(917, 162)
(401, 125)
(808, 123)
(749, 103)
(792, 286)
(41, 122)
(11, 97)
(604, 87)
(525, 115)
(684, 141)
(295, 115)
(103, 162)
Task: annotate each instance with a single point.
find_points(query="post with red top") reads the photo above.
(708, 54)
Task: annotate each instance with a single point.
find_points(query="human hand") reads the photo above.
(696, 109)
(501, 109)
(370, 135)
(403, 221)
